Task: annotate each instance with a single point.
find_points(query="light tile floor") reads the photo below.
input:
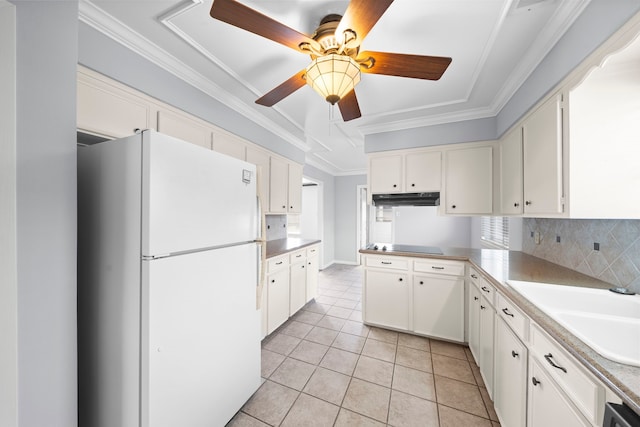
(323, 367)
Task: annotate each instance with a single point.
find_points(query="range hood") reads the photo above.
(407, 199)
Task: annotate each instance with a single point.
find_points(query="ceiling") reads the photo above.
(495, 44)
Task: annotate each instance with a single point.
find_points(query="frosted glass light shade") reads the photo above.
(333, 76)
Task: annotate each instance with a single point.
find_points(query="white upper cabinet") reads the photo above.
(511, 173)
(386, 174)
(410, 171)
(469, 181)
(230, 145)
(423, 172)
(542, 153)
(183, 127)
(294, 188)
(109, 110)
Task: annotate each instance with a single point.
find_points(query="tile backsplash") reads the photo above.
(606, 249)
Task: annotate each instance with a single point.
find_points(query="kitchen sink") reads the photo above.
(609, 323)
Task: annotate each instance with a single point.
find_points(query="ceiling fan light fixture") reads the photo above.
(333, 76)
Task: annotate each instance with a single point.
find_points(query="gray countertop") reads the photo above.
(282, 246)
(498, 266)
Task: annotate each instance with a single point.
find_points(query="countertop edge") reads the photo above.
(279, 247)
(586, 356)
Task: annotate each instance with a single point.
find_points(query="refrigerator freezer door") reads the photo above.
(194, 198)
(201, 337)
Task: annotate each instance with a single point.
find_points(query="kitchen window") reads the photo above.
(495, 231)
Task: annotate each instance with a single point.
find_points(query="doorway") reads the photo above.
(311, 218)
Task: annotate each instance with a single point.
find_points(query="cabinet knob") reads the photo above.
(394, 185)
(506, 311)
(535, 381)
(413, 185)
(273, 280)
(284, 207)
(400, 279)
(475, 298)
(137, 130)
(453, 206)
(482, 307)
(302, 265)
(421, 282)
(528, 203)
(514, 354)
(290, 207)
(516, 204)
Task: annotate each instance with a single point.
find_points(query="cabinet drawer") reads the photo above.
(276, 263)
(584, 392)
(513, 317)
(393, 263)
(451, 268)
(311, 251)
(297, 256)
(486, 290)
(474, 277)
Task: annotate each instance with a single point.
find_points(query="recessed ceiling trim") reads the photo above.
(101, 21)
(187, 5)
(564, 17)
(459, 116)
(331, 168)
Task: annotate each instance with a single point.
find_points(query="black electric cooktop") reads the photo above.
(387, 247)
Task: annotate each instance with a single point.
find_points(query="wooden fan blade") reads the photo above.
(361, 16)
(398, 64)
(285, 89)
(241, 16)
(349, 107)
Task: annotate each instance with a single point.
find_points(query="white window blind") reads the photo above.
(495, 231)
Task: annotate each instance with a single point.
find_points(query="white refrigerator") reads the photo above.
(168, 267)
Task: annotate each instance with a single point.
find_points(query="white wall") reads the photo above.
(347, 217)
(328, 206)
(47, 39)
(8, 244)
(421, 225)
(310, 215)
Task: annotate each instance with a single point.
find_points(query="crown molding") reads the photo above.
(101, 21)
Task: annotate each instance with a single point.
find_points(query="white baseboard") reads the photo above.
(337, 261)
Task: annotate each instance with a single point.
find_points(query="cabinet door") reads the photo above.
(278, 185)
(107, 111)
(469, 181)
(294, 188)
(385, 174)
(312, 277)
(511, 173)
(260, 158)
(184, 128)
(510, 388)
(387, 299)
(474, 322)
(423, 172)
(548, 406)
(277, 299)
(229, 145)
(438, 306)
(297, 287)
(542, 153)
(487, 319)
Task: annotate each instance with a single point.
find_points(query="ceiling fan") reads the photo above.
(334, 47)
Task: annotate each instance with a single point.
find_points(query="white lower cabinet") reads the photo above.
(386, 299)
(297, 281)
(487, 319)
(277, 299)
(438, 306)
(312, 273)
(510, 379)
(473, 328)
(548, 406)
(419, 295)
